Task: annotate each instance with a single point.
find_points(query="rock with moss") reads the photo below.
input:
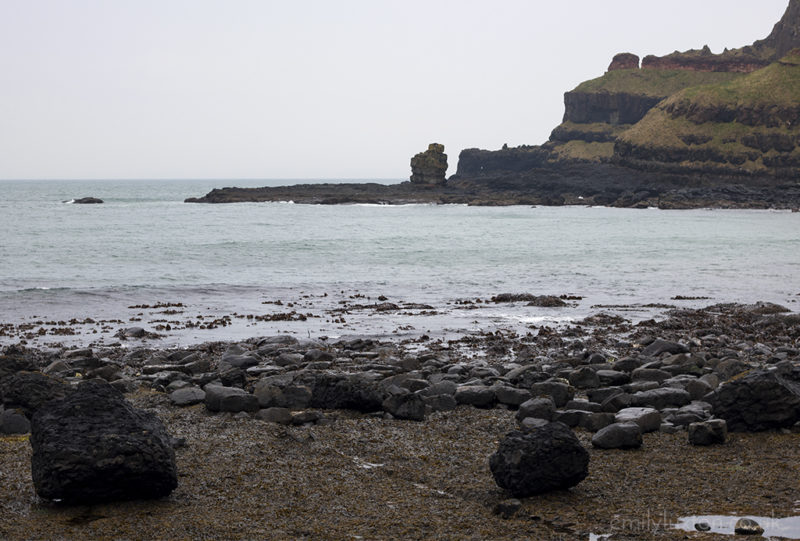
(429, 167)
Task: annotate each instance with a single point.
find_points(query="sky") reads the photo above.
(313, 89)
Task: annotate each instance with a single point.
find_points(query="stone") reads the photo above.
(571, 418)
(94, 447)
(602, 394)
(560, 392)
(511, 396)
(648, 419)
(747, 526)
(408, 406)
(306, 417)
(30, 390)
(507, 508)
(661, 398)
(232, 399)
(596, 421)
(759, 400)
(650, 374)
(624, 61)
(618, 436)
(317, 355)
(708, 432)
(241, 361)
(545, 459)
(429, 167)
(14, 422)
(187, 396)
(529, 424)
(294, 397)
(659, 346)
(87, 201)
(479, 396)
(338, 390)
(281, 416)
(691, 413)
(133, 332)
(729, 368)
(440, 388)
(585, 405)
(616, 402)
(539, 408)
(609, 378)
(584, 378)
(288, 359)
(440, 402)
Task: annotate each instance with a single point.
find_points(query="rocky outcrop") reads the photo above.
(611, 108)
(705, 60)
(429, 167)
(760, 400)
(93, 446)
(624, 61)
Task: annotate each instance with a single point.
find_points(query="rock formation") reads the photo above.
(624, 61)
(429, 167)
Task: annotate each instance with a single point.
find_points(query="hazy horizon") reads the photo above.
(266, 90)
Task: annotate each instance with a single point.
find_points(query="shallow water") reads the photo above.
(144, 245)
(787, 527)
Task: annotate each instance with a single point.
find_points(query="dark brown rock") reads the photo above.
(429, 167)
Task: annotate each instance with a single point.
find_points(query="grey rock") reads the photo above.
(339, 390)
(232, 399)
(560, 392)
(650, 374)
(479, 396)
(289, 359)
(440, 402)
(511, 396)
(585, 405)
(627, 365)
(584, 378)
(648, 419)
(746, 526)
(281, 416)
(617, 402)
(612, 378)
(661, 398)
(307, 417)
(729, 368)
(602, 394)
(530, 424)
(571, 418)
(187, 396)
(659, 346)
(30, 390)
(539, 408)
(596, 421)
(691, 413)
(439, 388)
(545, 459)
(14, 422)
(708, 432)
(760, 400)
(619, 436)
(408, 406)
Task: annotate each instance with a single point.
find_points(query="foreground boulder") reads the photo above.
(760, 400)
(93, 446)
(546, 458)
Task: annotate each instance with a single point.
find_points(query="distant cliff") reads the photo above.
(689, 120)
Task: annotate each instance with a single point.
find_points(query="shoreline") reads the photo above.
(349, 474)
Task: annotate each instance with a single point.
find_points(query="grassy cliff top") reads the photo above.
(652, 82)
(777, 84)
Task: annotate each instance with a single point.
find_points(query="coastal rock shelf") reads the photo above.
(273, 426)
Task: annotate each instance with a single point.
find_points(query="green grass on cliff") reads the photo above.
(581, 150)
(650, 82)
(777, 84)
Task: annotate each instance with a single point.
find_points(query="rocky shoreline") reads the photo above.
(278, 437)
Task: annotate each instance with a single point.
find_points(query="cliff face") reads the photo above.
(689, 118)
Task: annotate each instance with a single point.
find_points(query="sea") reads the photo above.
(189, 273)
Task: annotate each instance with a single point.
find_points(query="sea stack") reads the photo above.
(429, 167)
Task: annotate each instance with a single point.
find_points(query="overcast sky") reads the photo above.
(312, 89)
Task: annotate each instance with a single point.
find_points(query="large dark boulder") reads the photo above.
(546, 458)
(760, 400)
(93, 446)
(429, 167)
(30, 390)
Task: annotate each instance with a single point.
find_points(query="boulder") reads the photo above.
(511, 396)
(648, 419)
(661, 398)
(87, 201)
(659, 346)
(479, 396)
(232, 399)
(335, 390)
(708, 432)
(544, 459)
(584, 378)
(759, 400)
(281, 416)
(429, 167)
(538, 408)
(624, 61)
(13, 422)
(618, 436)
(405, 406)
(560, 392)
(30, 390)
(187, 396)
(93, 446)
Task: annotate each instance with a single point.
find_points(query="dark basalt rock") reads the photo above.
(760, 400)
(87, 201)
(30, 390)
(544, 459)
(93, 446)
(332, 390)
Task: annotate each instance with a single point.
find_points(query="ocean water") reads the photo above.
(277, 262)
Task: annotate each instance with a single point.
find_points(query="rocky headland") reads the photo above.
(689, 129)
(281, 437)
